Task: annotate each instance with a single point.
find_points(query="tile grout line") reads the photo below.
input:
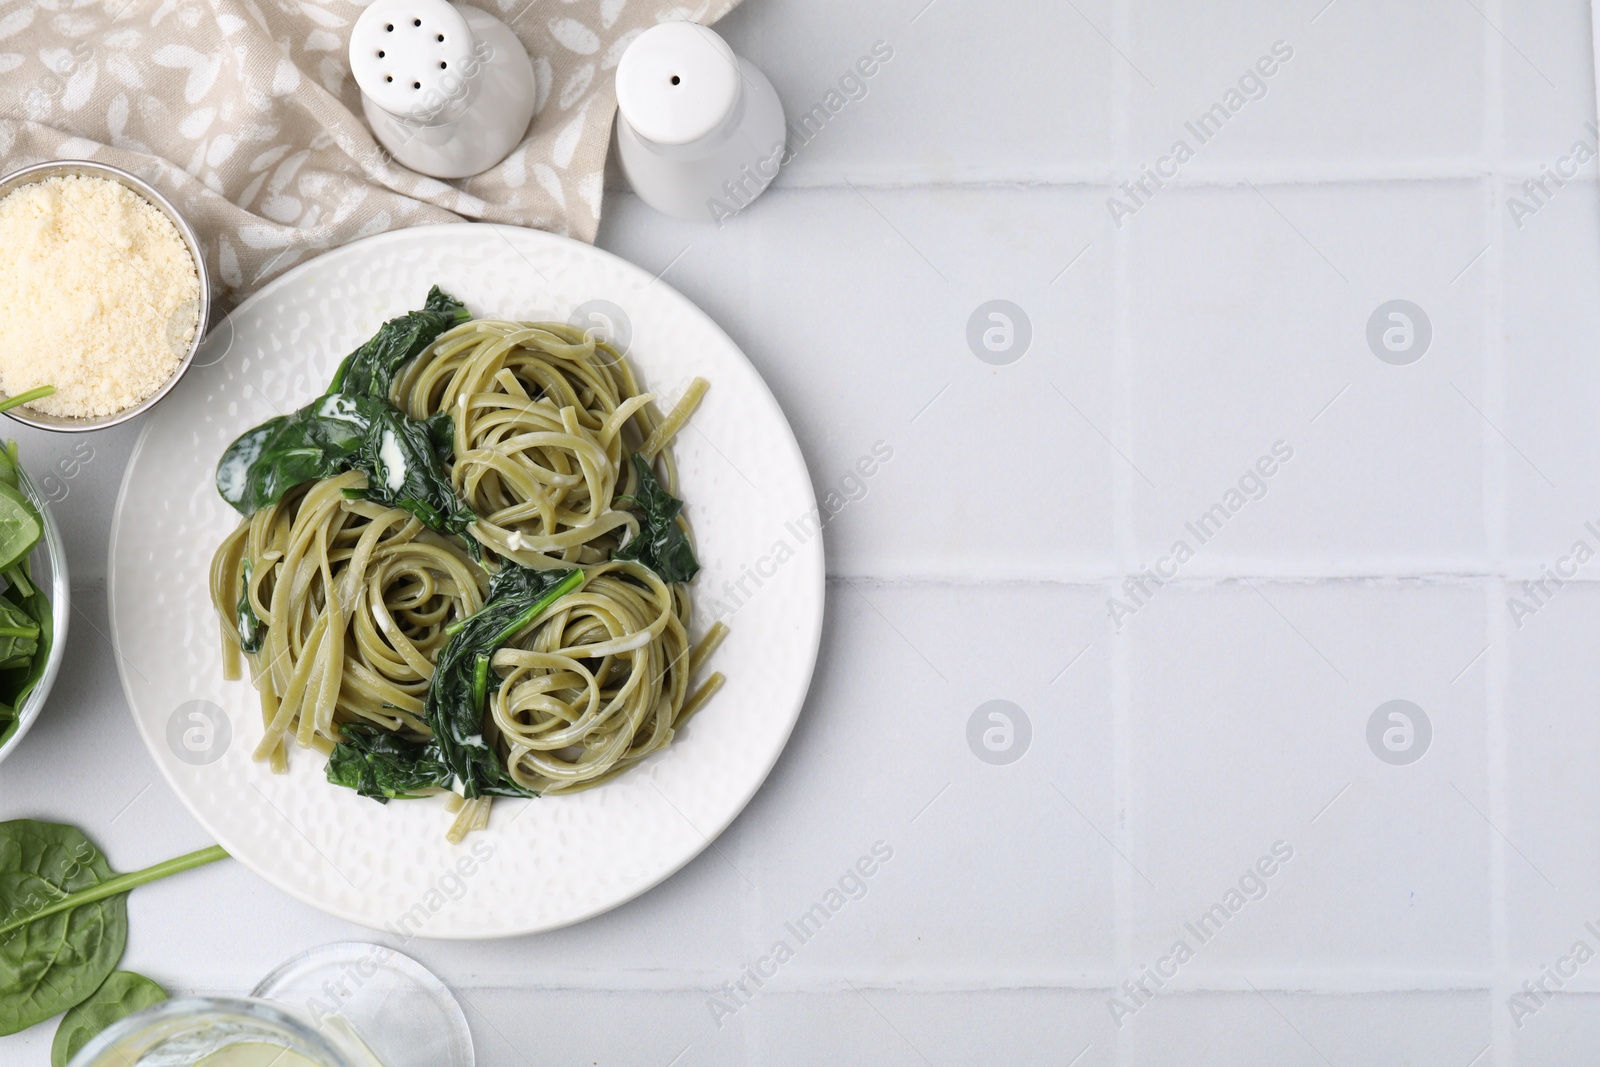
(755, 1034)
(1496, 671)
(754, 1039)
(1100, 578)
(1330, 171)
(1496, 665)
(1123, 544)
(1290, 984)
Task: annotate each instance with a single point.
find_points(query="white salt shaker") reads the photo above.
(447, 89)
(700, 131)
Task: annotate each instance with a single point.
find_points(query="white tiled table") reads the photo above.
(1229, 712)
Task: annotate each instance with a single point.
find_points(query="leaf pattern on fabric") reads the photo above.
(244, 114)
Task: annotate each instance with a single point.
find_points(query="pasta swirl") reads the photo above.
(355, 599)
(595, 685)
(342, 606)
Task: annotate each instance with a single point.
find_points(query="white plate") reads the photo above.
(542, 863)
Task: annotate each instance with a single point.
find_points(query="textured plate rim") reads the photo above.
(733, 811)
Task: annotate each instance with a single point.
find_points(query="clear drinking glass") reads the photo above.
(219, 1032)
(342, 1005)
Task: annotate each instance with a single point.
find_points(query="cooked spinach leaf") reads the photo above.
(370, 370)
(119, 996)
(63, 917)
(334, 434)
(458, 757)
(355, 427)
(442, 435)
(401, 459)
(377, 764)
(455, 701)
(318, 441)
(661, 543)
(251, 632)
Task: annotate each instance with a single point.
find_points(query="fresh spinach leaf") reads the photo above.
(10, 468)
(19, 636)
(661, 543)
(251, 632)
(119, 996)
(16, 685)
(377, 764)
(51, 961)
(17, 577)
(63, 917)
(370, 370)
(26, 398)
(401, 459)
(20, 526)
(25, 619)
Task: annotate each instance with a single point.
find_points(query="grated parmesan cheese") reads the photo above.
(103, 295)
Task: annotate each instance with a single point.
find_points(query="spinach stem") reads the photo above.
(19, 581)
(122, 883)
(26, 398)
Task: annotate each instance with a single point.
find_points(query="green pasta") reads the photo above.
(342, 606)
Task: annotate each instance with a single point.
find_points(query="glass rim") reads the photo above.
(248, 1008)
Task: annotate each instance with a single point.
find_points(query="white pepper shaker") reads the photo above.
(447, 89)
(700, 131)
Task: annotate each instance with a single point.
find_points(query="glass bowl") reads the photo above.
(48, 567)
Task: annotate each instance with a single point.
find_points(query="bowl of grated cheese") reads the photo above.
(116, 292)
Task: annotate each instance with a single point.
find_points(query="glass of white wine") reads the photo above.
(342, 1005)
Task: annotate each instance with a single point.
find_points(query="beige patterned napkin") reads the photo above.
(244, 114)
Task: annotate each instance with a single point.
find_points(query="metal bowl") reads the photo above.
(48, 569)
(87, 168)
